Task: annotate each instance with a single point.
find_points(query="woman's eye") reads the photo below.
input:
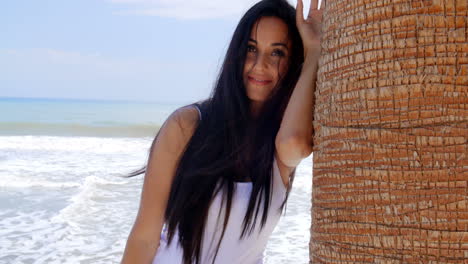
(279, 52)
(250, 48)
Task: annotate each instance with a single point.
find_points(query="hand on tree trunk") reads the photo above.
(310, 28)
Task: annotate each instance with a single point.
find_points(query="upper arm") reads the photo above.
(289, 153)
(165, 153)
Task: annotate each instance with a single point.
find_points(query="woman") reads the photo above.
(214, 164)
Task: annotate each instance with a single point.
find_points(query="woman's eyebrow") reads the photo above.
(280, 44)
(274, 44)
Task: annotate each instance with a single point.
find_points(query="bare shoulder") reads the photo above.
(188, 115)
(187, 118)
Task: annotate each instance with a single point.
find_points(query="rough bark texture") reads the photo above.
(391, 126)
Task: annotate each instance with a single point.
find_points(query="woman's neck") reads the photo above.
(255, 107)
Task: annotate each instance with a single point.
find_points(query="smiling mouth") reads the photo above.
(257, 81)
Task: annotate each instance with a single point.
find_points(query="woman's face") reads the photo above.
(267, 60)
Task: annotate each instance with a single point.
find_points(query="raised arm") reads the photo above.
(294, 140)
(165, 153)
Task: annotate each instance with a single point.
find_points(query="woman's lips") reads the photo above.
(259, 82)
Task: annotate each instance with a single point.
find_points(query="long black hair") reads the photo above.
(229, 144)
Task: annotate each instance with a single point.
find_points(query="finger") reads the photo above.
(299, 12)
(313, 5)
(322, 4)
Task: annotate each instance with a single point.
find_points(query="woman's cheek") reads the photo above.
(249, 61)
(283, 67)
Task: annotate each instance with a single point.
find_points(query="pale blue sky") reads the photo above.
(150, 50)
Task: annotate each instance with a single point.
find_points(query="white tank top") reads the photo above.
(249, 249)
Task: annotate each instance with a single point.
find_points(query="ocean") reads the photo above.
(61, 197)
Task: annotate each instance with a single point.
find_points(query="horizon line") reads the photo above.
(93, 99)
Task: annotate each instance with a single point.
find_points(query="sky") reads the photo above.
(137, 50)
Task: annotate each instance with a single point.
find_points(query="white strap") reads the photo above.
(199, 112)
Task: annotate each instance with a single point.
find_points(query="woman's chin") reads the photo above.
(258, 96)
(256, 101)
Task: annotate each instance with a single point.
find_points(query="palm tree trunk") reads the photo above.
(390, 181)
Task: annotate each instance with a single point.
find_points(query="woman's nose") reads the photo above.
(261, 61)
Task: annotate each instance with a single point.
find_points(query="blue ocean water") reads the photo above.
(71, 117)
(61, 197)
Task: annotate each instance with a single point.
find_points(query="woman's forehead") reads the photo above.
(270, 29)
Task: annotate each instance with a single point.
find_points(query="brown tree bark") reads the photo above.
(390, 176)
